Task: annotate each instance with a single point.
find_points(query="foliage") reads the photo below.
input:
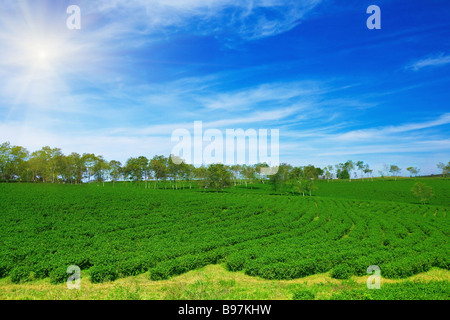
(343, 174)
(409, 290)
(445, 168)
(20, 274)
(122, 231)
(303, 295)
(342, 271)
(103, 272)
(422, 192)
(218, 176)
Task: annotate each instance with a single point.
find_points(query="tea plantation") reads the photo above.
(126, 230)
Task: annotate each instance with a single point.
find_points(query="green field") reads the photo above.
(134, 238)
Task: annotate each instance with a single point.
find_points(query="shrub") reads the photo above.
(342, 271)
(20, 274)
(59, 275)
(159, 273)
(303, 295)
(41, 271)
(4, 270)
(102, 273)
(235, 262)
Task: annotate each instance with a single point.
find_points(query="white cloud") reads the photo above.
(431, 61)
(382, 133)
(251, 19)
(272, 92)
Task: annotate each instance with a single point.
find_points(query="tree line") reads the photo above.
(51, 165)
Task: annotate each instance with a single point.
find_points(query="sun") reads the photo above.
(40, 54)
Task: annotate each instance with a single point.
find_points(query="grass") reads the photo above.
(215, 282)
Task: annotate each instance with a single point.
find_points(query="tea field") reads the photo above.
(113, 233)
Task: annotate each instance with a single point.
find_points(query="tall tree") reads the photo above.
(281, 178)
(78, 166)
(218, 176)
(259, 171)
(159, 167)
(201, 174)
(136, 168)
(328, 172)
(5, 152)
(236, 170)
(367, 171)
(17, 163)
(100, 169)
(414, 171)
(349, 166)
(115, 168)
(360, 166)
(45, 164)
(445, 168)
(175, 170)
(89, 160)
(395, 171)
(249, 173)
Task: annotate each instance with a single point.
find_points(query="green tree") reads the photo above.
(343, 174)
(201, 174)
(249, 173)
(360, 166)
(349, 166)
(309, 186)
(5, 152)
(328, 172)
(280, 180)
(414, 171)
(159, 167)
(218, 176)
(344, 170)
(136, 168)
(45, 164)
(445, 168)
(311, 172)
(89, 160)
(259, 171)
(367, 171)
(175, 169)
(236, 170)
(115, 172)
(422, 192)
(395, 171)
(77, 165)
(100, 169)
(17, 163)
(188, 173)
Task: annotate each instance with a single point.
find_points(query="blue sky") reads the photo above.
(137, 70)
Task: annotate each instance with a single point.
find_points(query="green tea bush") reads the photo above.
(20, 274)
(59, 275)
(4, 269)
(103, 273)
(303, 295)
(41, 271)
(342, 271)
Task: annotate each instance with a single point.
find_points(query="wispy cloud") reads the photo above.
(246, 19)
(247, 98)
(430, 61)
(384, 132)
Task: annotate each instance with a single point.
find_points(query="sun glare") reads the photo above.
(40, 54)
